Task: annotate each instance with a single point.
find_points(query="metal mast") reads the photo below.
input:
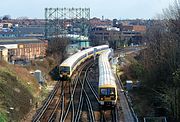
(61, 21)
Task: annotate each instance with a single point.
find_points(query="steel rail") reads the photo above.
(59, 101)
(103, 118)
(46, 104)
(71, 103)
(62, 106)
(92, 89)
(92, 118)
(81, 97)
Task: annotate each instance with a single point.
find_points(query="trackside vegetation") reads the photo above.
(158, 68)
(17, 92)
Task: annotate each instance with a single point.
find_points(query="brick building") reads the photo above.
(24, 48)
(98, 22)
(105, 34)
(136, 28)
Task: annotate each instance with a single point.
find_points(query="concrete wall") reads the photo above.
(4, 54)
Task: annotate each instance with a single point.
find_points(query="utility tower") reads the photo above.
(62, 21)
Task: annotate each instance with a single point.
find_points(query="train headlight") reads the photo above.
(102, 102)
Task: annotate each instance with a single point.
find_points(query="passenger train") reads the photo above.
(107, 89)
(67, 67)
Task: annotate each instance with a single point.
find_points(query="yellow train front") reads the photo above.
(65, 72)
(107, 95)
(107, 89)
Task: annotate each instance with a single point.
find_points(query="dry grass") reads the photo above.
(17, 87)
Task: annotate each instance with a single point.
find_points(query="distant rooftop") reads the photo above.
(20, 40)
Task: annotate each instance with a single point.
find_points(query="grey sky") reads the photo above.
(120, 9)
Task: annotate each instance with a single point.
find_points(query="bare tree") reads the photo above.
(162, 60)
(6, 17)
(57, 48)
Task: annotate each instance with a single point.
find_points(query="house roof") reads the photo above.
(20, 41)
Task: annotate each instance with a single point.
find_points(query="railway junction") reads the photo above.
(78, 99)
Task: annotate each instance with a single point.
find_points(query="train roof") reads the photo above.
(106, 75)
(70, 61)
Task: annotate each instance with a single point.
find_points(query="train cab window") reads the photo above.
(64, 69)
(103, 91)
(112, 91)
(108, 91)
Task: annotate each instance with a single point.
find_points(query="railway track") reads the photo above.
(70, 105)
(46, 111)
(74, 105)
(80, 101)
(109, 115)
(86, 96)
(51, 118)
(80, 95)
(90, 88)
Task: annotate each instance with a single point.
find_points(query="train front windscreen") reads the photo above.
(64, 70)
(107, 92)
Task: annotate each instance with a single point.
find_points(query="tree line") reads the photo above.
(160, 62)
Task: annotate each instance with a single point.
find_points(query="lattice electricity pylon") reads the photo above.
(61, 21)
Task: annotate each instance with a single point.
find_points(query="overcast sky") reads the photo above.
(120, 9)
